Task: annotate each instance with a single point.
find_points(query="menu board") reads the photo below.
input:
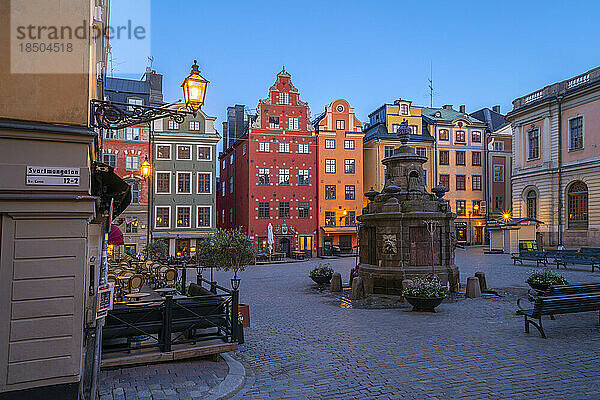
(105, 300)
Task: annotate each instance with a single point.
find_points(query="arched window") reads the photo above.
(577, 197)
(532, 204)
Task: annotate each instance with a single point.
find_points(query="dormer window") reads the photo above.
(284, 98)
(438, 114)
(403, 109)
(273, 122)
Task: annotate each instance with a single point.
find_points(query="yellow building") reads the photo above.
(380, 141)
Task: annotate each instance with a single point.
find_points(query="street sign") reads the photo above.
(52, 176)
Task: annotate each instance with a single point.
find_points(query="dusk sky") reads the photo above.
(370, 53)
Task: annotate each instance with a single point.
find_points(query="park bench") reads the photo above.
(565, 259)
(553, 304)
(530, 255)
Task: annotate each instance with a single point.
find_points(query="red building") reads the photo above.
(270, 174)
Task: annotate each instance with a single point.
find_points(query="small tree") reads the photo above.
(156, 249)
(227, 249)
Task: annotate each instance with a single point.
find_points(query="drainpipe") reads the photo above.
(560, 197)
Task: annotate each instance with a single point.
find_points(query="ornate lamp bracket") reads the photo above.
(114, 115)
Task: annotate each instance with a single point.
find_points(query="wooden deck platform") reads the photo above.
(153, 355)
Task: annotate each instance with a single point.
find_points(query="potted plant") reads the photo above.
(157, 249)
(425, 294)
(321, 274)
(541, 279)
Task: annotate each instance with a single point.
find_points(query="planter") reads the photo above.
(425, 304)
(321, 280)
(540, 287)
(244, 309)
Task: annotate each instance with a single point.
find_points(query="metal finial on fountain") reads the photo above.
(403, 132)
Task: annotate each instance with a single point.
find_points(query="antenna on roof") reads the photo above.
(430, 84)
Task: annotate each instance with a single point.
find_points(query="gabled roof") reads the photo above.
(127, 86)
(446, 115)
(493, 119)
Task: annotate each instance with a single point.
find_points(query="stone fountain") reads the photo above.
(405, 231)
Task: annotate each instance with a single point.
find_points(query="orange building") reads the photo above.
(340, 173)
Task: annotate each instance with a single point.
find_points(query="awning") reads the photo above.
(115, 236)
(339, 229)
(107, 185)
(181, 235)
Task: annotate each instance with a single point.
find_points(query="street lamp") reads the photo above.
(194, 89)
(505, 216)
(146, 169)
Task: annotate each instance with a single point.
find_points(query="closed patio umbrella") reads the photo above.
(270, 239)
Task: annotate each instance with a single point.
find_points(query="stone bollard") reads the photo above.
(358, 290)
(352, 275)
(482, 281)
(336, 282)
(473, 289)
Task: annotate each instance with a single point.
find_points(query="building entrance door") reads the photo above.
(478, 235)
(284, 246)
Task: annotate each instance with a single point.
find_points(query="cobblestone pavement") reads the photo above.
(305, 345)
(174, 381)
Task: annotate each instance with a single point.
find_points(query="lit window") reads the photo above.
(163, 217)
(329, 218)
(183, 217)
(131, 224)
(578, 205)
(461, 207)
(498, 173)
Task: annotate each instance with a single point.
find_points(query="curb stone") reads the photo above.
(233, 382)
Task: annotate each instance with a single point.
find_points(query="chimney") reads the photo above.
(496, 109)
(462, 108)
(447, 107)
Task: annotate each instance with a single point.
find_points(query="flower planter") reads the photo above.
(425, 304)
(540, 287)
(321, 280)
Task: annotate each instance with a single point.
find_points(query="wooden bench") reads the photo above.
(577, 259)
(530, 255)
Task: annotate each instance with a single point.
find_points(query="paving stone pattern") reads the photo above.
(305, 345)
(174, 381)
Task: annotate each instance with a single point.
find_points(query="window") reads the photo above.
(231, 159)
(476, 182)
(284, 209)
(204, 153)
(264, 176)
(476, 205)
(404, 109)
(134, 101)
(131, 224)
(444, 157)
(223, 188)
(305, 242)
(499, 146)
(303, 177)
(476, 158)
(329, 218)
(349, 144)
(231, 185)
(303, 209)
(578, 205)
(110, 134)
(388, 151)
(461, 182)
(284, 176)
(460, 157)
(499, 202)
(476, 137)
(284, 98)
(163, 217)
(244, 149)
(421, 151)
(443, 134)
(223, 164)
(303, 148)
(445, 181)
(284, 147)
(204, 182)
(222, 216)
(340, 124)
(163, 182)
(533, 144)
(576, 133)
(184, 182)
(163, 151)
(135, 193)
(293, 123)
(231, 215)
(329, 144)
(498, 173)
(183, 216)
(194, 126)
(460, 207)
(460, 137)
(531, 204)
(350, 218)
(414, 130)
(203, 220)
(329, 192)
(264, 209)
(264, 147)
(111, 159)
(173, 125)
(330, 166)
(184, 152)
(132, 163)
(132, 133)
(349, 193)
(349, 166)
(273, 122)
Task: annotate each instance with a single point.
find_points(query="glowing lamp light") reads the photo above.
(194, 89)
(506, 216)
(146, 169)
(193, 249)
